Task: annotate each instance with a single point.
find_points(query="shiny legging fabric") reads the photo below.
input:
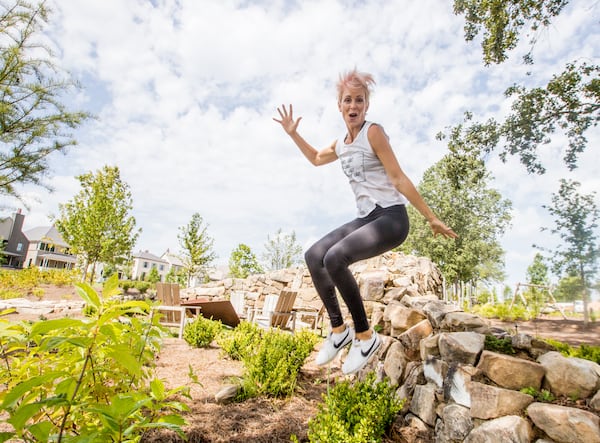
(328, 259)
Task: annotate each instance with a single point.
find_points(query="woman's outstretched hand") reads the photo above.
(439, 228)
(287, 121)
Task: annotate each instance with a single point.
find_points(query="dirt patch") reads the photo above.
(573, 332)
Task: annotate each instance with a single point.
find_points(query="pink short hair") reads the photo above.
(355, 79)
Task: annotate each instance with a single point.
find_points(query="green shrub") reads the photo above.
(542, 396)
(584, 351)
(240, 341)
(272, 367)
(503, 311)
(201, 332)
(88, 379)
(27, 281)
(355, 413)
(501, 345)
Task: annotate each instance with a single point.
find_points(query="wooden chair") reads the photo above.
(277, 311)
(174, 314)
(316, 317)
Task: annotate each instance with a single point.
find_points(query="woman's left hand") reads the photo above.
(439, 228)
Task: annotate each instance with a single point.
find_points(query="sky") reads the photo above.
(184, 92)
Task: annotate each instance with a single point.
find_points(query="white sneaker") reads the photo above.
(360, 353)
(334, 344)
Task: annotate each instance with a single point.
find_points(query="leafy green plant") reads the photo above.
(355, 413)
(240, 341)
(201, 332)
(272, 367)
(587, 352)
(542, 396)
(503, 311)
(86, 380)
(27, 281)
(501, 345)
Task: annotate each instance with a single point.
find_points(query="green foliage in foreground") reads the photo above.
(86, 380)
(201, 332)
(355, 413)
(272, 359)
(584, 351)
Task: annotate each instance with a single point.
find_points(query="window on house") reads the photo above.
(145, 264)
(19, 247)
(162, 268)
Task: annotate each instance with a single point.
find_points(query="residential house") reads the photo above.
(174, 261)
(47, 249)
(144, 261)
(13, 240)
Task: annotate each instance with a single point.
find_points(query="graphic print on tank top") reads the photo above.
(353, 165)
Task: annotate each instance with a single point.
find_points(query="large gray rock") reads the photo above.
(511, 428)
(401, 318)
(460, 347)
(565, 425)
(423, 403)
(411, 339)
(372, 284)
(511, 372)
(394, 363)
(463, 321)
(454, 426)
(491, 402)
(436, 311)
(583, 375)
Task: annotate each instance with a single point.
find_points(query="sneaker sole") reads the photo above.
(350, 338)
(373, 351)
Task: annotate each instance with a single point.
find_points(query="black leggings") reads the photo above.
(328, 259)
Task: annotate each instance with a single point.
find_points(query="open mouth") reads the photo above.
(353, 114)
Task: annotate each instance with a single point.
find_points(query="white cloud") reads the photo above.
(185, 91)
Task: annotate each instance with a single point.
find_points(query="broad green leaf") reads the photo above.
(121, 354)
(111, 287)
(24, 387)
(88, 294)
(5, 436)
(45, 326)
(41, 431)
(158, 389)
(23, 413)
(52, 343)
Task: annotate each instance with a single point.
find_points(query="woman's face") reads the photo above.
(353, 105)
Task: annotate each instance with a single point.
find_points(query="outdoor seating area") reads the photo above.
(271, 311)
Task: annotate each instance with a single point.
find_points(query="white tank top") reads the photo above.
(366, 174)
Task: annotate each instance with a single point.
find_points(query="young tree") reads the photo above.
(96, 222)
(243, 262)
(570, 102)
(537, 272)
(33, 121)
(196, 246)
(153, 276)
(282, 251)
(575, 222)
(457, 190)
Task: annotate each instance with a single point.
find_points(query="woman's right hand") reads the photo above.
(287, 121)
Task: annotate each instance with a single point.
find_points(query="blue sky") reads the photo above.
(184, 92)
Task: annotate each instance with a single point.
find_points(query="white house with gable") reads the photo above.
(144, 261)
